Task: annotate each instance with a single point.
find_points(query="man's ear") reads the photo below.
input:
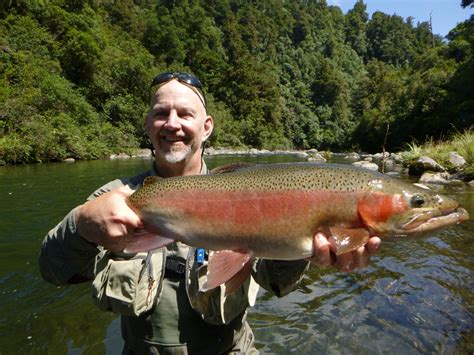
(208, 127)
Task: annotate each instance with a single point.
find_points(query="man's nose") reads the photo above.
(173, 121)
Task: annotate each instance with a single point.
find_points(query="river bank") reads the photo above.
(442, 168)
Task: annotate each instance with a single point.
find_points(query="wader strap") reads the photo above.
(175, 267)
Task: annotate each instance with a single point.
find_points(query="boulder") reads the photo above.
(223, 151)
(121, 156)
(397, 158)
(301, 154)
(142, 153)
(366, 165)
(317, 158)
(456, 160)
(352, 156)
(389, 163)
(378, 157)
(418, 166)
(434, 178)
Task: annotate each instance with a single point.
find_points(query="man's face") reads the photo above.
(177, 124)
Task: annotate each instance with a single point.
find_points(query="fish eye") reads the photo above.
(417, 201)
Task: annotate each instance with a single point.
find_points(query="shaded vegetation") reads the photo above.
(74, 75)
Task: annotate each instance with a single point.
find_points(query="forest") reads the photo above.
(294, 74)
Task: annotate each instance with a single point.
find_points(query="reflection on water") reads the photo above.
(416, 296)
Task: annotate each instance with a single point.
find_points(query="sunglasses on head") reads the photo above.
(185, 78)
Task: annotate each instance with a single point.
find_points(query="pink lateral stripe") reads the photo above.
(250, 207)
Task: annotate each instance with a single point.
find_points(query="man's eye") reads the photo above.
(161, 114)
(186, 115)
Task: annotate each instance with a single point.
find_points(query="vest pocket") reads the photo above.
(128, 284)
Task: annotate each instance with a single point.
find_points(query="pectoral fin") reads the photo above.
(144, 240)
(229, 267)
(347, 239)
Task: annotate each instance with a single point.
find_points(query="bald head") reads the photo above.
(177, 125)
(178, 90)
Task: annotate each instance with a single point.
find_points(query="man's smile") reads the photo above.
(172, 139)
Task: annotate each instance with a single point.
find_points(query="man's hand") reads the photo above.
(324, 254)
(107, 220)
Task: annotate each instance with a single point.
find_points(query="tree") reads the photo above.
(356, 23)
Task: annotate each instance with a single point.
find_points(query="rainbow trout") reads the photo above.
(273, 211)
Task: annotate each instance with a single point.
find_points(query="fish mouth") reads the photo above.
(432, 220)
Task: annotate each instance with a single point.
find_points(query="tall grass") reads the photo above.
(461, 142)
(464, 145)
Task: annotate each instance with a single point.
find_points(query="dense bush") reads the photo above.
(74, 75)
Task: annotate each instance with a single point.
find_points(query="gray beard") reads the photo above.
(179, 156)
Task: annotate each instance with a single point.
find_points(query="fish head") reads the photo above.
(403, 209)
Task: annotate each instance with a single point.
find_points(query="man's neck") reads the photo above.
(165, 169)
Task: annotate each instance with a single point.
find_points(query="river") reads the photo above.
(415, 298)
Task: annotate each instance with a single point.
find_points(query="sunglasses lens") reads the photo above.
(162, 78)
(182, 77)
(189, 79)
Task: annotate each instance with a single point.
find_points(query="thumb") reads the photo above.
(128, 216)
(126, 190)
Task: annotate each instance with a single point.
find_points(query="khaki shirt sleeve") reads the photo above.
(66, 257)
(279, 277)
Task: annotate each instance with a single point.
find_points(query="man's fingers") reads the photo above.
(131, 221)
(373, 245)
(322, 251)
(345, 262)
(108, 219)
(127, 216)
(324, 254)
(361, 257)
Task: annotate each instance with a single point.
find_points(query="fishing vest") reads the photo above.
(131, 285)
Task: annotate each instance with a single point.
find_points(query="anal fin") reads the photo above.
(239, 278)
(228, 266)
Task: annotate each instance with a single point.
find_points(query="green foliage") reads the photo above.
(74, 75)
(44, 116)
(356, 27)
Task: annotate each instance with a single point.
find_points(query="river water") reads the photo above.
(415, 298)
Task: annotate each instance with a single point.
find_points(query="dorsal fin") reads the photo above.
(151, 180)
(229, 168)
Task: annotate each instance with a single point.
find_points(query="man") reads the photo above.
(182, 319)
